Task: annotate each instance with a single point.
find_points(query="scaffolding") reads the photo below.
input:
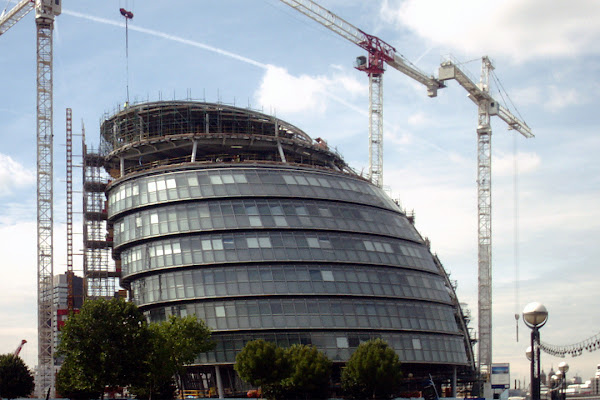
(148, 135)
(100, 272)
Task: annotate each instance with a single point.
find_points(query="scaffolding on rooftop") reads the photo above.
(148, 135)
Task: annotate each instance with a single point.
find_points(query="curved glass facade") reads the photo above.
(247, 182)
(292, 279)
(287, 253)
(288, 256)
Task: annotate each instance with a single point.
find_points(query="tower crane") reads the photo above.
(45, 11)
(19, 348)
(487, 107)
(379, 54)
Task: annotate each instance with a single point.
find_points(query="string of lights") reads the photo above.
(574, 350)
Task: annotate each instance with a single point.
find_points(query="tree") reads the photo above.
(71, 383)
(311, 372)
(105, 345)
(373, 371)
(263, 364)
(15, 378)
(174, 343)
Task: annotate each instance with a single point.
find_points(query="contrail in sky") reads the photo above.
(225, 53)
(169, 37)
(179, 39)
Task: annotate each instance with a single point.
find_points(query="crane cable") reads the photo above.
(127, 15)
(502, 93)
(516, 230)
(574, 350)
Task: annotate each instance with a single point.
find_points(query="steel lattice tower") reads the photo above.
(376, 128)
(44, 204)
(484, 212)
(70, 273)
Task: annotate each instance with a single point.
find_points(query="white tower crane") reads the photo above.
(487, 107)
(379, 53)
(45, 11)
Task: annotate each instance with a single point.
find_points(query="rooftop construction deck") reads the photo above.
(148, 135)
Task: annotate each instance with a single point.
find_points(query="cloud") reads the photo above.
(521, 30)
(13, 175)
(558, 99)
(526, 96)
(445, 209)
(552, 97)
(295, 94)
(418, 119)
(504, 164)
(18, 287)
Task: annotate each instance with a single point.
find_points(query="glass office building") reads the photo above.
(246, 222)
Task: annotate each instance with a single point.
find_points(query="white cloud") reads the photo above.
(522, 30)
(18, 287)
(13, 174)
(291, 94)
(504, 164)
(558, 99)
(445, 210)
(418, 119)
(552, 97)
(575, 213)
(400, 139)
(526, 96)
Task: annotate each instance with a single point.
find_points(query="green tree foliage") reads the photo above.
(297, 372)
(174, 343)
(105, 345)
(71, 382)
(373, 371)
(263, 364)
(181, 339)
(15, 378)
(311, 373)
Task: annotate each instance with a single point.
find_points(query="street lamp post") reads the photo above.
(559, 382)
(555, 380)
(563, 367)
(535, 316)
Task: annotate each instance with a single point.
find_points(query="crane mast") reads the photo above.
(484, 226)
(487, 107)
(379, 54)
(45, 11)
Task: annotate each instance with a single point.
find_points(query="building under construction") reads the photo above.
(246, 222)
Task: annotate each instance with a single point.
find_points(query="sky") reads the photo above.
(264, 55)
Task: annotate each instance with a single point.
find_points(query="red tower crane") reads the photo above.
(379, 54)
(18, 350)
